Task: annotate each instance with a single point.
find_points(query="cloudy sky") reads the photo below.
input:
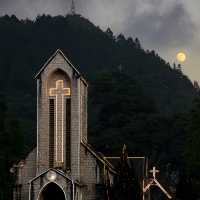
(167, 26)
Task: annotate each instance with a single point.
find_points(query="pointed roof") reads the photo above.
(61, 173)
(58, 51)
(52, 169)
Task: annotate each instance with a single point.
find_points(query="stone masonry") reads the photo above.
(88, 169)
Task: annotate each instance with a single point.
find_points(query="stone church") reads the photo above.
(63, 165)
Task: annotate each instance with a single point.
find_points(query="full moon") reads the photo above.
(181, 57)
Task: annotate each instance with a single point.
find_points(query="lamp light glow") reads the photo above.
(51, 176)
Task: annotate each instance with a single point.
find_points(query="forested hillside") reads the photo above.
(135, 97)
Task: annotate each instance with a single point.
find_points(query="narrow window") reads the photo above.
(51, 132)
(68, 133)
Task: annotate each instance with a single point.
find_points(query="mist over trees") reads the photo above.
(135, 97)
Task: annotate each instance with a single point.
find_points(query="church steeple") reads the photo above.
(62, 115)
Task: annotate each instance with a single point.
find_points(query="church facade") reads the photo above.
(62, 165)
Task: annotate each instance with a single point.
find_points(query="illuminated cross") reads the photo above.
(154, 171)
(154, 182)
(59, 92)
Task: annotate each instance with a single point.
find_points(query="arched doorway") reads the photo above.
(52, 192)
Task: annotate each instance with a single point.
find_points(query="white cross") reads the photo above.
(154, 171)
(153, 182)
(59, 92)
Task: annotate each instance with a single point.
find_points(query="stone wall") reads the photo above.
(26, 172)
(88, 174)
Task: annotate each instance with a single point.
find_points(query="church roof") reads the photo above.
(58, 172)
(58, 51)
(99, 157)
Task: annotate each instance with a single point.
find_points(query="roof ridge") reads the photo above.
(59, 51)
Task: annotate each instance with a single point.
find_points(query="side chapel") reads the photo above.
(63, 165)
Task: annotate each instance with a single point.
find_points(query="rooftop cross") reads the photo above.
(154, 171)
(154, 182)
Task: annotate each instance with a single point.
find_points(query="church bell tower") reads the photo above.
(61, 116)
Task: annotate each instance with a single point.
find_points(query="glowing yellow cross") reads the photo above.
(59, 92)
(59, 89)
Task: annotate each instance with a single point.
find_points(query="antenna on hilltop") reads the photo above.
(73, 8)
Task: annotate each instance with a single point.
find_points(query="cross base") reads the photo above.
(59, 165)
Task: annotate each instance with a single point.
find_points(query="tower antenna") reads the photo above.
(73, 8)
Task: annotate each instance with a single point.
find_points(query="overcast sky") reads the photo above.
(167, 26)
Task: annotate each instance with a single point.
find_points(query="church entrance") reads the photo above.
(52, 192)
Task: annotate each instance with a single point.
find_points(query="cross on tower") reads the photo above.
(59, 92)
